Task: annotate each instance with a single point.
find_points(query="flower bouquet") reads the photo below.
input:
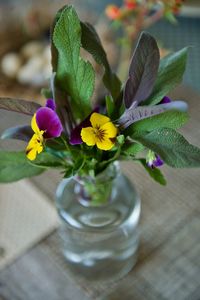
(135, 121)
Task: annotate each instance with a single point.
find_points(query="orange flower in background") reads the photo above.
(177, 6)
(130, 4)
(113, 12)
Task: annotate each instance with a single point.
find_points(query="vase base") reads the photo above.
(101, 266)
(103, 270)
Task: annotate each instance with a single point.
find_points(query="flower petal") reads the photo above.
(51, 104)
(34, 146)
(165, 100)
(48, 120)
(34, 125)
(88, 136)
(105, 144)
(31, 153)
(110, 129)
(97, 120)
(158, 162)
(75, 137)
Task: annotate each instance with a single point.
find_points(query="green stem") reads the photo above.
(115, 157)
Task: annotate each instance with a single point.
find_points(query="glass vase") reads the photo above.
(99, 224)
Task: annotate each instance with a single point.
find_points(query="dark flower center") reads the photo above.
(99, 133)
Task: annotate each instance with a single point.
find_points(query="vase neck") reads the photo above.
(97, 190)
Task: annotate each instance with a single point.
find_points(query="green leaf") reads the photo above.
(56, 144)
(23, 133)
(78, 165)
(68, 172)
(120, 139)
(172, 147)
(170, 119)
(73, 74)
(48, 160)
(91, 43)
(155, 173)
(170, 74)
(170, 17)
(109, 106)
(15, 166)
(73, 170)
(46, 93)
(132, 149)
(18, 105)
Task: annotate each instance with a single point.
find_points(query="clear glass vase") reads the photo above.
(99, 228)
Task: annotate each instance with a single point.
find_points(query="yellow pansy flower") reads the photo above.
(101, 134)
(35, 145)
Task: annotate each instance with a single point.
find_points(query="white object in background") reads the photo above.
(26, 217)
(11, 64)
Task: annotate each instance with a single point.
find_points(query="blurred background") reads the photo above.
(24, 40)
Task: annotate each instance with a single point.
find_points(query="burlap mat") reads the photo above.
(26, 216)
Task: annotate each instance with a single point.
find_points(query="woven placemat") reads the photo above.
(26, 216)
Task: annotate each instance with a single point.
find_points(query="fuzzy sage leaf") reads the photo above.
(133, 114)
(92, 43)
(15, 166)
(170, 119)
(143, 71)
(170, 74)
(19, 105)
(172, 147)
(23, 133)
(155, 173)
(73, 74)
(48, 160)
(132, 149)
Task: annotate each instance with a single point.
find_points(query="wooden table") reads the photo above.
(168, 266)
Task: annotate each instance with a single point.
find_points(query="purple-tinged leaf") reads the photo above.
(23, 133)
(18, 105)
(175, 105)
(133, 115)
(142, 72)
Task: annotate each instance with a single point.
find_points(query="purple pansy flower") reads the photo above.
(157, 162)
(154, 160)
(48, 121)
(75, 137)
(51, 104)
(165, 100)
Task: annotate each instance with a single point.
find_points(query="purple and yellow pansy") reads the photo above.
(45, 125)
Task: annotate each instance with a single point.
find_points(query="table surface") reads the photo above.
(168, 264)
